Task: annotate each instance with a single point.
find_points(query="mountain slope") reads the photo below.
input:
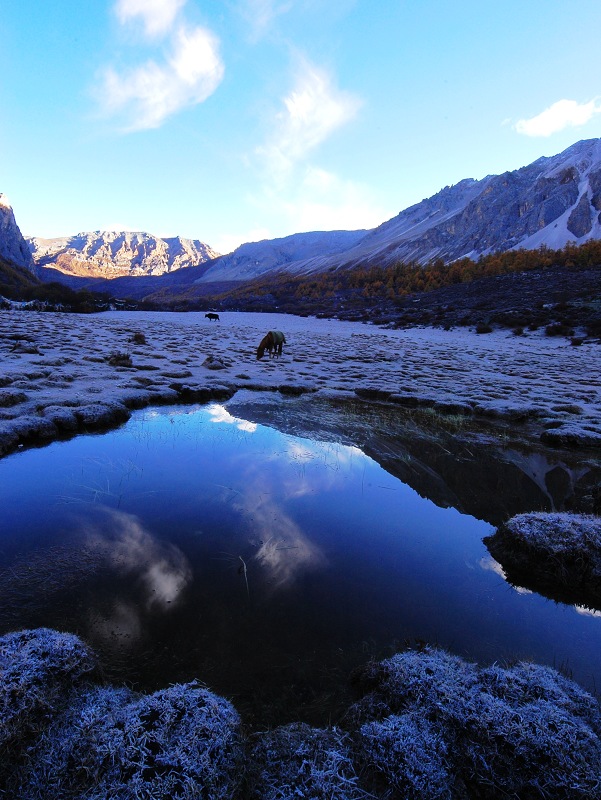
(108, 254)
(15, 280)
(550, 202)
(253, 259)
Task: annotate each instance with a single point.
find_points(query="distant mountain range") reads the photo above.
(550, 202)
(106, 254)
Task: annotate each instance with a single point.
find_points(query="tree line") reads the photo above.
(373, 281)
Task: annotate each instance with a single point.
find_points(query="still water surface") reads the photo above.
(191, 544)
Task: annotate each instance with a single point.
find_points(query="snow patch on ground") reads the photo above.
(60, 372)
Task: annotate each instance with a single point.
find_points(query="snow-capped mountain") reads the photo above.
(551, 202)
(13, 247)
(109, 254)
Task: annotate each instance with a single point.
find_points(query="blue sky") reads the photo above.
(238, 120)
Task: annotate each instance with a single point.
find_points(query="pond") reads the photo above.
(191, 543)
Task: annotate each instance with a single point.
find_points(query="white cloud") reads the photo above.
(314, 199)
(312, 112)
(297, 195)
(157, 16)
(144, 96)
(562, 114)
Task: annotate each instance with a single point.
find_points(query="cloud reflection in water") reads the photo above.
(285, 551)
(271, 480)
(489, 563)
(158, 571)
(220, 414)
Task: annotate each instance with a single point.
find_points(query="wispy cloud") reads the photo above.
(228, 242)
(160, 570)
(145, 95)
(562, 114)
(295, 192)
(260, 14)
(311, 112)
(313, 199)
(157, 16)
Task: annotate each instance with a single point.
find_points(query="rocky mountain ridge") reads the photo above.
(110, 254)
(550, 202)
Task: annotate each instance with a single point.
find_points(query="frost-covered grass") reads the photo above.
(39, 670)
(558, 554)
(172, 745)
(434, 726)
(558, 534)
(299, 761)
(409, 755)
(429, 726)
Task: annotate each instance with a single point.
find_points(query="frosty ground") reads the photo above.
(60, 373)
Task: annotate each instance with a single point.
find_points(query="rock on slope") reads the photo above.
(13, 247)
(107, 254)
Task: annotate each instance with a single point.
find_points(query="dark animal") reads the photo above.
(212, 316)
(272, 342)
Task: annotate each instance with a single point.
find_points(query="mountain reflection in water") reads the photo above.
(192, 543)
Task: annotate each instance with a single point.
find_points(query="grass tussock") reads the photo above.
(297, 760)
(556, 554)
(119, 359)
(39, 671)
(112, 744)
(434, 726)
(428, 726)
